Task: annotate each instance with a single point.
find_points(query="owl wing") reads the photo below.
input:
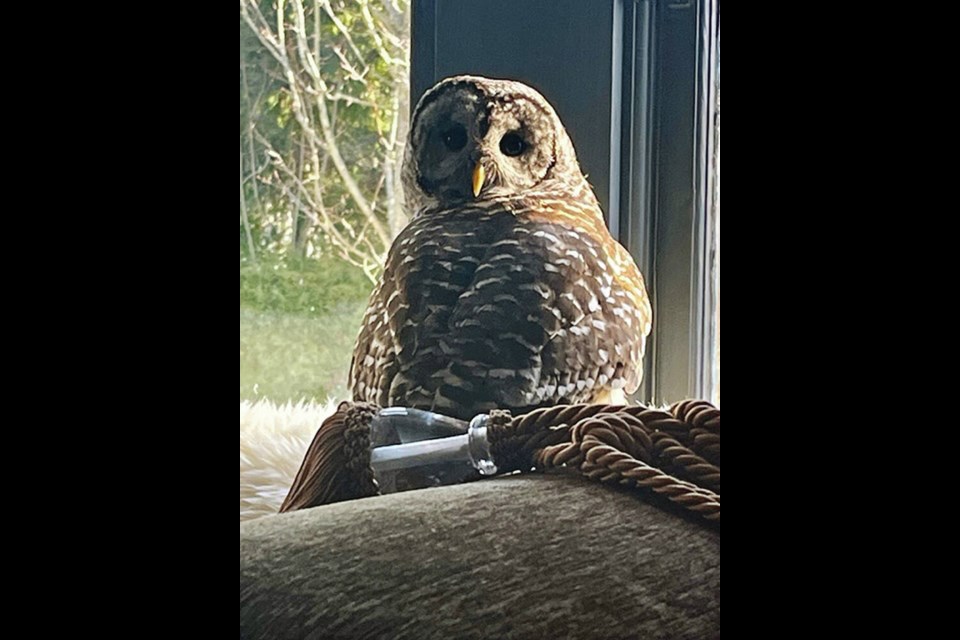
(374, 356)
(599, 298)
(593, 305)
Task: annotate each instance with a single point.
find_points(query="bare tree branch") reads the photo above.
(375, 33)
(243, 212)
(343, 30)
(365, 193)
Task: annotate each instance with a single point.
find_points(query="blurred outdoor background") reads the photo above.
(324, 104)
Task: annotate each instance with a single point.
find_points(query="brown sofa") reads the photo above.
(552, 556)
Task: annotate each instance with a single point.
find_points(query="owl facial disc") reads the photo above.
(475, 139)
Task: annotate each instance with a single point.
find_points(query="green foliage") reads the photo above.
(310, 288)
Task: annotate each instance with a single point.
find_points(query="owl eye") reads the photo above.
(512, 145)
(454, 138)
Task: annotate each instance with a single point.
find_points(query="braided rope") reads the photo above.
(634, 446)
(675, 454)
(336, 466)
(705, 421)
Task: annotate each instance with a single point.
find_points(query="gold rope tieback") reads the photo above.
(675, 454)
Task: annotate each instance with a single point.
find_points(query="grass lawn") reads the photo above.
(298, 324)
(290, 356)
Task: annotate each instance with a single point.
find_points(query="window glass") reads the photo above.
(324, 99)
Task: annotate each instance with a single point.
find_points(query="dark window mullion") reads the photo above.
(637, 221)
(674, 200)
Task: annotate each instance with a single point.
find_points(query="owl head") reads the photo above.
(474, 139)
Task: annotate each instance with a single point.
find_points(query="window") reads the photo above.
(325, 92)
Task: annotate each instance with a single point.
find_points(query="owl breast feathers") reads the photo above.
(505, 290)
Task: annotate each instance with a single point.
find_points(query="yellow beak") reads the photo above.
(479, 175)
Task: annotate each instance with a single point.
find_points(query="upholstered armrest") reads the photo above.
(518, 557)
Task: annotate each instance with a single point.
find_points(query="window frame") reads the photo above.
(668, 141)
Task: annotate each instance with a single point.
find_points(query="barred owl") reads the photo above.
(505, 290)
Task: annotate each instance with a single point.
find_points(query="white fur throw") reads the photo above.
(273, 440)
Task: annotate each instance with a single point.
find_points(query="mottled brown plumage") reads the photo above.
(515, 297)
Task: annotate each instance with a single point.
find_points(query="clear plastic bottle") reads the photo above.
(414, 449)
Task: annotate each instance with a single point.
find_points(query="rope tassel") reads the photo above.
(336, 466)
(675, 454)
